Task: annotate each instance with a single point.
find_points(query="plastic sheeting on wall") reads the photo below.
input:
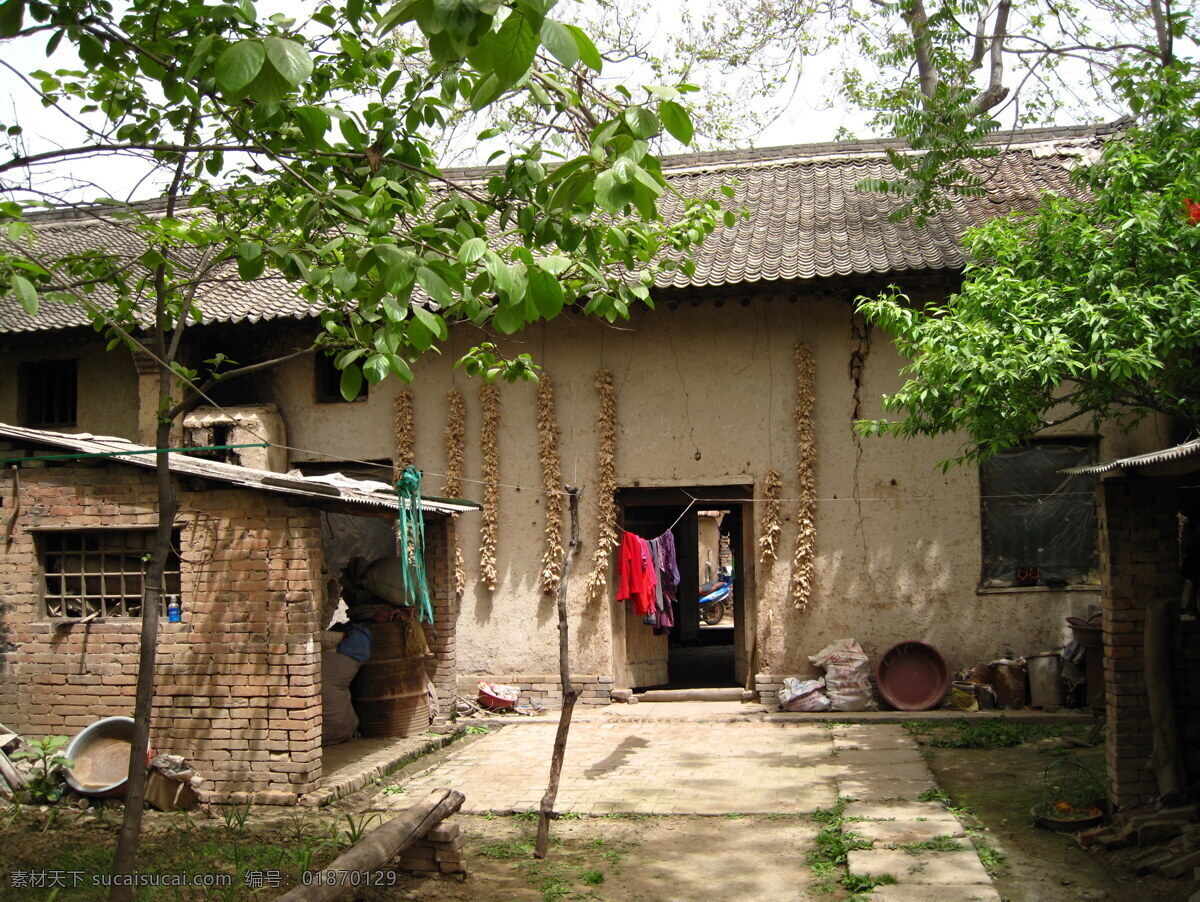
(1039, 526)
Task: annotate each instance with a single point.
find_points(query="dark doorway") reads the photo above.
(709, 534)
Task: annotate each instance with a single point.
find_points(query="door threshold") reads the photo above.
(727, 694)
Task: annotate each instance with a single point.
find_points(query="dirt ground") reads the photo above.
(1001, 786)
(651, 859)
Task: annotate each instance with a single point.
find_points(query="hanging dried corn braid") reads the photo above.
(606, 487)
(771, 523)
(552, 556)
(402, 417)
(489, 397)
(455, 438)
(803, 565)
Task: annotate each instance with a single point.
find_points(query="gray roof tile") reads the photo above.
(808, 220)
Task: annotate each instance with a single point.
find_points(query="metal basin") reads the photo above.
(100, 758)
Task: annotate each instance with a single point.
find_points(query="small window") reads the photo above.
(329, 381)
(1039, 525)
(100, 573)
(49, 392)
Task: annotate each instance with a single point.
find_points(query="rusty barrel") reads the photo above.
(389, 690)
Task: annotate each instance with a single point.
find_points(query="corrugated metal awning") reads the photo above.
(1166, 455)
(333, 487)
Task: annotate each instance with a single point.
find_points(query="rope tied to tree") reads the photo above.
(410, 530)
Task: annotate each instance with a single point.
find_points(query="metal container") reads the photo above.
(1009, 683)
(100, 758)
(1045, 680)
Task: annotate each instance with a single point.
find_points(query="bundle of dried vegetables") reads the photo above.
(772, 522)
(455, 438)
(606, 486)
(489, 397)
(552, 555)
(803, 565)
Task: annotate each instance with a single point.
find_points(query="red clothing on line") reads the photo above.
(636, 577)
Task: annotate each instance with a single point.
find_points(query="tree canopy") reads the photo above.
(1088, 308)
(305, 148)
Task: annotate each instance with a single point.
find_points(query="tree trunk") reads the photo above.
(569, 692)
(1162, 621)
(135, 793)
(377, 848)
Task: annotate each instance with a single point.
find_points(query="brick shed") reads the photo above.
(1149, 511)
(238, 682)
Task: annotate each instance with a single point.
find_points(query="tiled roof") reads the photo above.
(808, 220)
(316, 489)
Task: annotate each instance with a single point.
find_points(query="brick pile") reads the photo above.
(437, 854)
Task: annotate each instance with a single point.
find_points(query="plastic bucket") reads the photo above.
(100, 758)
(1045, 680)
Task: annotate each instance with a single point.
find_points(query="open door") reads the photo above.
(693, 654)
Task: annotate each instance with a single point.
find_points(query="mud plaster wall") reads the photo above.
(237, 688)
(705, 395)
(107, 382)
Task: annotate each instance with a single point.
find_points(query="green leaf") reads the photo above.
(471, 250)
(289, 59)
(12, 14)
(587, 50)
(376, 368)
(400, 367)
(239, 65)
(642, 122)
(351, 382)
(26, 294)
(558, 39)
(676, 120)
(546, 292)
(515, 45)
(314, 123)
(555, 264)
(434, 323)
(435, 286)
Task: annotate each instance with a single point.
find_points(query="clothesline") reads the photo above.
(672, 526)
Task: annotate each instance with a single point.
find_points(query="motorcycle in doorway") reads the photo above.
(715, 596)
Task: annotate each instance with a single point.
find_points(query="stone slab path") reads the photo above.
(734, 767)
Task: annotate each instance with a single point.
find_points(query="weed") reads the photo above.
(235, 816)
(477, 730)
(834, 843)
(993, 861)
(507, 848)
(530, 815)
(944, 843)
(392, 790)
(355, 828)
(732, 816)
(934, 794)
(591, 878)
(44, 785)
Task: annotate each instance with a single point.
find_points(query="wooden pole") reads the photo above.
(1162, 621)
(11, 775)
(569, 693)
(376, 849)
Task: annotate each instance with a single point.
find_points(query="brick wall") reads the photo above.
(1139, 552)
(237, 688)
(439, 574)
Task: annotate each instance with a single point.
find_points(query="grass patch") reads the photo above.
(829, 859)
(992, 733)
(937, 844)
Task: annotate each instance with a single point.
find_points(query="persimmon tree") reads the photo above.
(301, 149)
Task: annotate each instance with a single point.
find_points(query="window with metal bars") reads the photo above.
(100, 572)
(49, 392)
